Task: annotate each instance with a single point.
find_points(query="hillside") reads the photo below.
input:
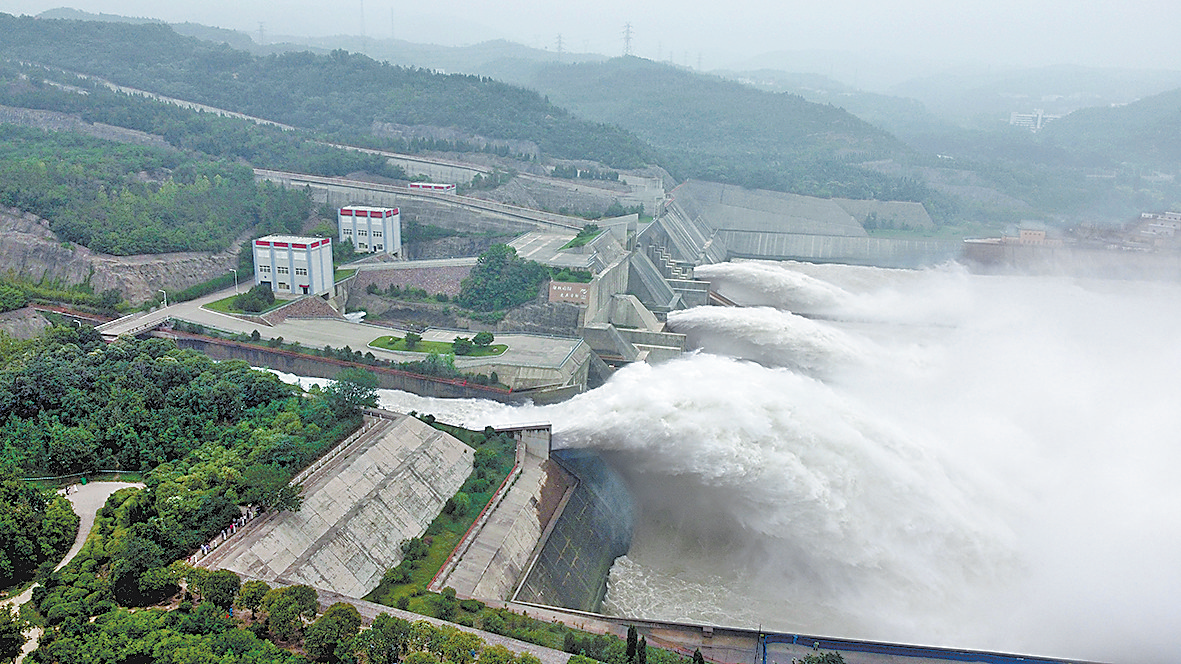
(1145, 133)
(340, 94)
(708, 128)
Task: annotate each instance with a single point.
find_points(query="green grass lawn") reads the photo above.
(226, 306)
(343, 273)
(391, 342)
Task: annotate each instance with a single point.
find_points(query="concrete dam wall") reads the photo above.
(384, 488)
(592, 531)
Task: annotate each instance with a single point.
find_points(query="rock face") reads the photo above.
(23, 323)
(28, 247)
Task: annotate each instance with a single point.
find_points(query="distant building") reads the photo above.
(372, 230)
(1032, 121)
(294, 265)
(433, 186)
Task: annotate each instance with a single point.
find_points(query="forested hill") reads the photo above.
(709, 128)
(341, 94)
(1146, 133)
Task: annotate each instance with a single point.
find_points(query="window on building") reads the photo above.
(376, 233)
(378, 247)
(281, 269)
(362, 233)
(348, 231)
(301, 270)
(282, 286)
(264, 268)
(361, 245)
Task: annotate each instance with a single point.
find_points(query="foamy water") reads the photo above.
(965, 461)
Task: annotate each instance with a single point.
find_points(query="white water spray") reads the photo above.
(986, 463)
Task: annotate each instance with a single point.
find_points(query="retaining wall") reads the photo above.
(594, 529)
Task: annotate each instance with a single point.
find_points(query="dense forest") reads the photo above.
(125, 199)
(206, 435)
(340, 94)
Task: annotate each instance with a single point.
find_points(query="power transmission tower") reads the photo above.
(627, 39)
(559, 47)
(262, 33)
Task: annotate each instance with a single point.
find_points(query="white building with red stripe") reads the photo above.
(372, 230)
(433, 186)
(293, 265)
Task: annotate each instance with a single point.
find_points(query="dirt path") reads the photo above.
(87, 500)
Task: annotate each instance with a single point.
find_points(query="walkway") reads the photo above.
(87, 500)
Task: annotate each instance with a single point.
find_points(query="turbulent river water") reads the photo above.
(917, 456)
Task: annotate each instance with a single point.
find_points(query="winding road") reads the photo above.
(87, 500)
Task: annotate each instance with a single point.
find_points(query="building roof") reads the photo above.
(370, 208)
(293, 239)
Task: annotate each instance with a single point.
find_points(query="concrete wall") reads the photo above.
(883, 252)
(594, 529)
(356, 513)
(610, 281)
(305, 365)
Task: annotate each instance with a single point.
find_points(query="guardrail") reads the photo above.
(469, 536)
(532, 216)
(319, 463)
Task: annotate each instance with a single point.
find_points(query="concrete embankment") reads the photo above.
(386, 487)
(490, 560)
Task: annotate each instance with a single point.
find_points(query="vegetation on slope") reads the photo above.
(1146, 133)
(341, 94)
(125, 199)
(722, 131)
(207, 435)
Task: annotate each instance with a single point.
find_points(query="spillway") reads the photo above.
(978, 462)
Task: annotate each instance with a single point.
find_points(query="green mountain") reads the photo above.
(1144, 134)
(709, 128)
(339, 94)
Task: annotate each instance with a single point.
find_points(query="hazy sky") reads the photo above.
(1136, 33)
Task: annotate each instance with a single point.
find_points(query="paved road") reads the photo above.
(370, 610)
(87, 500)
(523, 350)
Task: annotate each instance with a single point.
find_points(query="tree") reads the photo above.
(332, 633)
(412, 339)
(286, 608)
(821, 658)
(642, 651)
(251, 594)
(353, 389)
(268, 486)
(385, 642)
(461, 647)
(632, 638)
(11, 637)
(497, 654)
(220, 587)
(483, 339)
(446, 604)
(256, 299)
(698, 658)
(420, 657)
(462, 346)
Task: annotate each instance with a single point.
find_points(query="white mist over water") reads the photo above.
(966, 461)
